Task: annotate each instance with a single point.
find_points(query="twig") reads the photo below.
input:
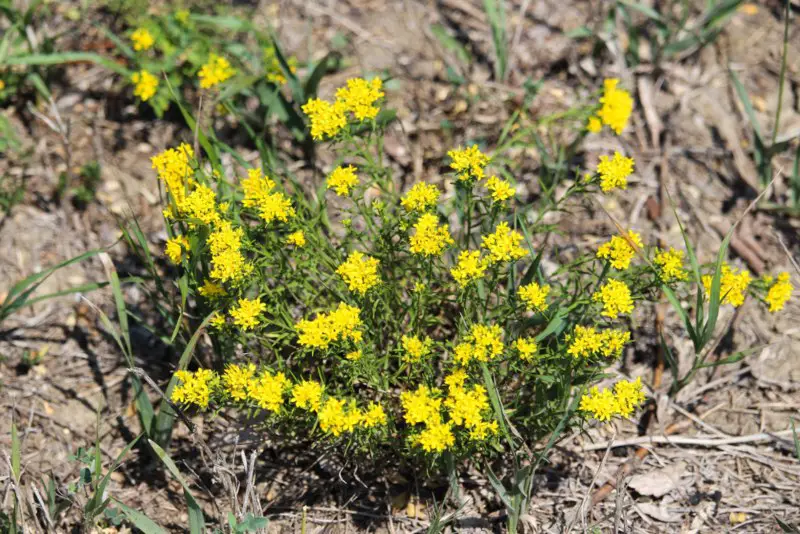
(685, 440)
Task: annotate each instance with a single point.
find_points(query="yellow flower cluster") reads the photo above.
(210, 289)
(619, 250)
(586, 341)
(339, 325)
(470, 267)
(343, 180)
(483, 343)
(501, 190)
(616, 108)
(534, 296)
(359, 97)
(359, 272)
(415, 348)
(216, 70)
(258, 194)
(616, 298)
(733, 285)
(298, 239)
(467, 407)
(145, 85)
(175, 170)
(670, 263)
(228, 263)
(326, 119)
(307, 395)
(779, 293)
(268, 390)
(175, 247)
(272, 66)
(614, 172)
(430, 238)
(527, 348)
(420, 197)
(142, 39)
(237, 380)
(503, 244)
(605, 404)
(195, 388)
(245, 314)
(468, 162)
(201, 204)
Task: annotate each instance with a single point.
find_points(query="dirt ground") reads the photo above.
(690, 136)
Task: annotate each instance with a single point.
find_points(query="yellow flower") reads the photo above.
(227, 261)
(174, 169)
(336, 417)
(619, 250)
(326, 119)
(501, 190)
(594, 125)
(339, 325)
(437, 437)
(195, 388)
(483, 343)
(2, 85)
(416, 348)
(236, 380)
(307, 395)
(503, 244)
(527, 348)
(586, 341)
(142, 39)
(272, 66)
(617, 106)
(421, 197)
(614, 172)
(201, 204)
(670, 265)
(779, 293)
(146, 85)
(602, 405)
(217, 321)
(616, 298)
(245, 315)
(360, 96)
(534, 296)
(629, 396)
(373, 416)
(733, 285)
(470, 267)
(430, 238)
(216, 70)
(456, 379)
(466, 406)
(343, 179)
(175, 247)
(359, 272)
(210, 289)
(182, 16)
(297, 239)
(468, 162)
(258, 194)
(267, 391)
(354, 355)
(421, 406)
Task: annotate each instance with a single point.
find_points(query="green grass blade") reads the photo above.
(196, 518)
(69, 57)
(139, 520)
(16, 469)
(748, 105)
(496, 13)
(687, 322)
(715, 299)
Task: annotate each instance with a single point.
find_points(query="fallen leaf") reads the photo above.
(658, 482)
(658, 512)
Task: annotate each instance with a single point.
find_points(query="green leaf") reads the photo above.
(556, 325)
(16, 469)
(715, 299)
(496, 13)
(733, 358)
(748, 105)
(647, 11)
(196, 518)
(139, 520)
(452, 44)
(69, 57)
(326, 65)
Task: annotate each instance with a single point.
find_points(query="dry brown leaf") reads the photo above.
(658, 482)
